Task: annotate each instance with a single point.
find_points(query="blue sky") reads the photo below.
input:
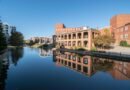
(38, 17)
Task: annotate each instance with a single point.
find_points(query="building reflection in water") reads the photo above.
(121, 70)
(90, 65)
(45, 52)
(79, 63)
(12, 56)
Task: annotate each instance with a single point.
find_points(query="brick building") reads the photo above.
(120, 27)
(72, 38)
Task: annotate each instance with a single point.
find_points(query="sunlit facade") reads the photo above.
(74, 38)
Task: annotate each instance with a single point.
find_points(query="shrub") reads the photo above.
(123, 43)
(45, 45)
(81, 49)
(94, 49)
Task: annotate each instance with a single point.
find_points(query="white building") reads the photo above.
(7, 31)
(42, 40)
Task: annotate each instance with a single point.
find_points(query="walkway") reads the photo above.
(119, 49)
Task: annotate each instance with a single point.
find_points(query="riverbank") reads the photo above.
(36, 45)
(1, 52)
(10, 47)
(14, 47)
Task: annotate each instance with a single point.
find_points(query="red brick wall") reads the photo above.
(117, 22)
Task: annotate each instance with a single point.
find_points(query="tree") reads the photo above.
(3, 44)
(103, 41)
(31, 42)
(16, 39)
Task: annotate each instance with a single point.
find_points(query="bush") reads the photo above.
(81, 49)
(94, 49)
(123, 43)
(45, 45)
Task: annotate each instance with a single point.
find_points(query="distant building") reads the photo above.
(7, 31)
(42, 40)
(80, 37)
(12, 29)
(120, 28)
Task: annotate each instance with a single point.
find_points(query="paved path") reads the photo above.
(119, 49)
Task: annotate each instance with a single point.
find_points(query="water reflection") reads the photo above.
(4, 65)
(45, 52)
(16, 54)
(33, 72)
(12, 55)
(121, 70)
(90, 65)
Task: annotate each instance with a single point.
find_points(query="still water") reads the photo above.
(39, 69)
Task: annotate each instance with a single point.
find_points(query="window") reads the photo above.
(74, 58)
(79, 60)
(65, 62)
(85, 69)
(74, 65)
(126, 28)
(85, 61)
(79, 67)
(69, 63)
(126, 36)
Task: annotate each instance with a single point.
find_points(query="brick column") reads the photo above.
(82, 39)
(76, 39)
(89, 40)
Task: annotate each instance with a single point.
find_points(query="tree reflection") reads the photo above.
(16, 54)
(4, 64)
(100, 64)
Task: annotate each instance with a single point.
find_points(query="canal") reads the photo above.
(40, 69)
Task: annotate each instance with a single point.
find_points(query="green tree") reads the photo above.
(31, 43)
(16, 39)
(103, 41)
(3, 44)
